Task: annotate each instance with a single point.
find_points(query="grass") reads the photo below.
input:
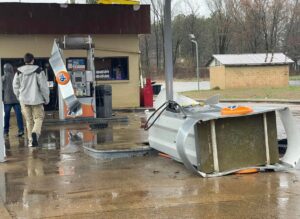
(294, 78)
(182, 80)
(284, 93)
(190, 79)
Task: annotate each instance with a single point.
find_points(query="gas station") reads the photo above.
(114, 30)
(208, 138)
(76, 79)
(97, 62)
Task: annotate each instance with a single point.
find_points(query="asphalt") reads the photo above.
(62, 180)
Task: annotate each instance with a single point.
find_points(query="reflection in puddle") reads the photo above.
(71, 137)
(58, 156)
(66, 171)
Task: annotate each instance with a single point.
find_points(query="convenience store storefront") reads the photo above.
(113, 28)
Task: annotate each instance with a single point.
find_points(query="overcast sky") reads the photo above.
(180, 7)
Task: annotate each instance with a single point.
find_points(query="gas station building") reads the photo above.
(114, 29)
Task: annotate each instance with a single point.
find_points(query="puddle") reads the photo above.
(62, 180)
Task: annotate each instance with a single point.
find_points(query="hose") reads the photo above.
(170, 103)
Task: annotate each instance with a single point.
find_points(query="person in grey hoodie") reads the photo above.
(31, 88)
(10, 100)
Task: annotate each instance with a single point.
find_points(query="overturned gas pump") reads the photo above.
(212, 142)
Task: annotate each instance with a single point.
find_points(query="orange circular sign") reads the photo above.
(62, 77)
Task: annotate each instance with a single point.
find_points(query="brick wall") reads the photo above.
(250, 76)
(217, 77)
(257, 76)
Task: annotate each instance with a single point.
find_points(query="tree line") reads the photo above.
(232, 27)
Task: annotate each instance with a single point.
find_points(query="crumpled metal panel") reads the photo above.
(240, 142)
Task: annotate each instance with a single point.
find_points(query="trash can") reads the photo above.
(103, 101)
(156, 88)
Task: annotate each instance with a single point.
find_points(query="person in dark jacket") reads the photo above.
(10, 100)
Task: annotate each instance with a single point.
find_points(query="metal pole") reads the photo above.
(197, 63)
(168, 50)
(2, 145)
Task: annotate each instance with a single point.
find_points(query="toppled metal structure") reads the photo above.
(211, 144)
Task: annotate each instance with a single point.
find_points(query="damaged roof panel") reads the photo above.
(42, 18)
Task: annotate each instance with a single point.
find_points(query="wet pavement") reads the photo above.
(189, 86)
(61, 180)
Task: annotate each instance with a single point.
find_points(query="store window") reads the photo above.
(111, 68)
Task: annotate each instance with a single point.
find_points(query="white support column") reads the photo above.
(61, 106)
(266, 139)
(214, 145)
(2, 145)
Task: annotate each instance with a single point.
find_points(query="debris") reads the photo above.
(164, 155)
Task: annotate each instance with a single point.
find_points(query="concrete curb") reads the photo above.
(85, 120)
(258, 101)
(133, 110)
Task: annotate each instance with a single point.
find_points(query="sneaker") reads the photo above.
(34, 140)
(29, 143)
(20, 134)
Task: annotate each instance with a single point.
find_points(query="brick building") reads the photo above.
(249, 70)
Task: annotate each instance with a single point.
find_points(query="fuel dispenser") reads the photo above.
(82, 80)
(81, 73)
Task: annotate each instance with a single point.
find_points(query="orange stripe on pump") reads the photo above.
(87, 110)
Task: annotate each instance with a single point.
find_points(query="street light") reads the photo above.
(193, 40)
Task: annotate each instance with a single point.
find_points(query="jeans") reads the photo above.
(17, 109)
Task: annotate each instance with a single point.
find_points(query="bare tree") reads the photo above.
(158, 26)
(234, 26)
(292, 26)
(222, 24)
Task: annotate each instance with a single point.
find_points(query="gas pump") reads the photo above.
(82, 80)
(79, 73)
